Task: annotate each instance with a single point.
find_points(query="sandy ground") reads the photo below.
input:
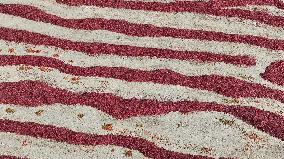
(206, 133)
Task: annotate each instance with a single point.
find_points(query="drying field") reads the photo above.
(161, 79)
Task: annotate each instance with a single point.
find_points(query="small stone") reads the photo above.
(206, 149)
(75, 80)
(231, 101)
(128, 153)
(25, 143)
(227, 122)
(11, 50)
(107, 127)
(30, 50)
(55, 55)
(253, 136)
(80, 115)
(25, 68)
(45, 69)
(139, 125)
(10, 110)
(39, 113)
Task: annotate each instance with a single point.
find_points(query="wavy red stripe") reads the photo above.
(228, 86)
(180, 6)
(275, 73)
(121, 26)
(156, 6)
(233, 3)
(21, 36)
(173, 6)
(10, 157)
(58, 134)
(33, 93)
(213, 7)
